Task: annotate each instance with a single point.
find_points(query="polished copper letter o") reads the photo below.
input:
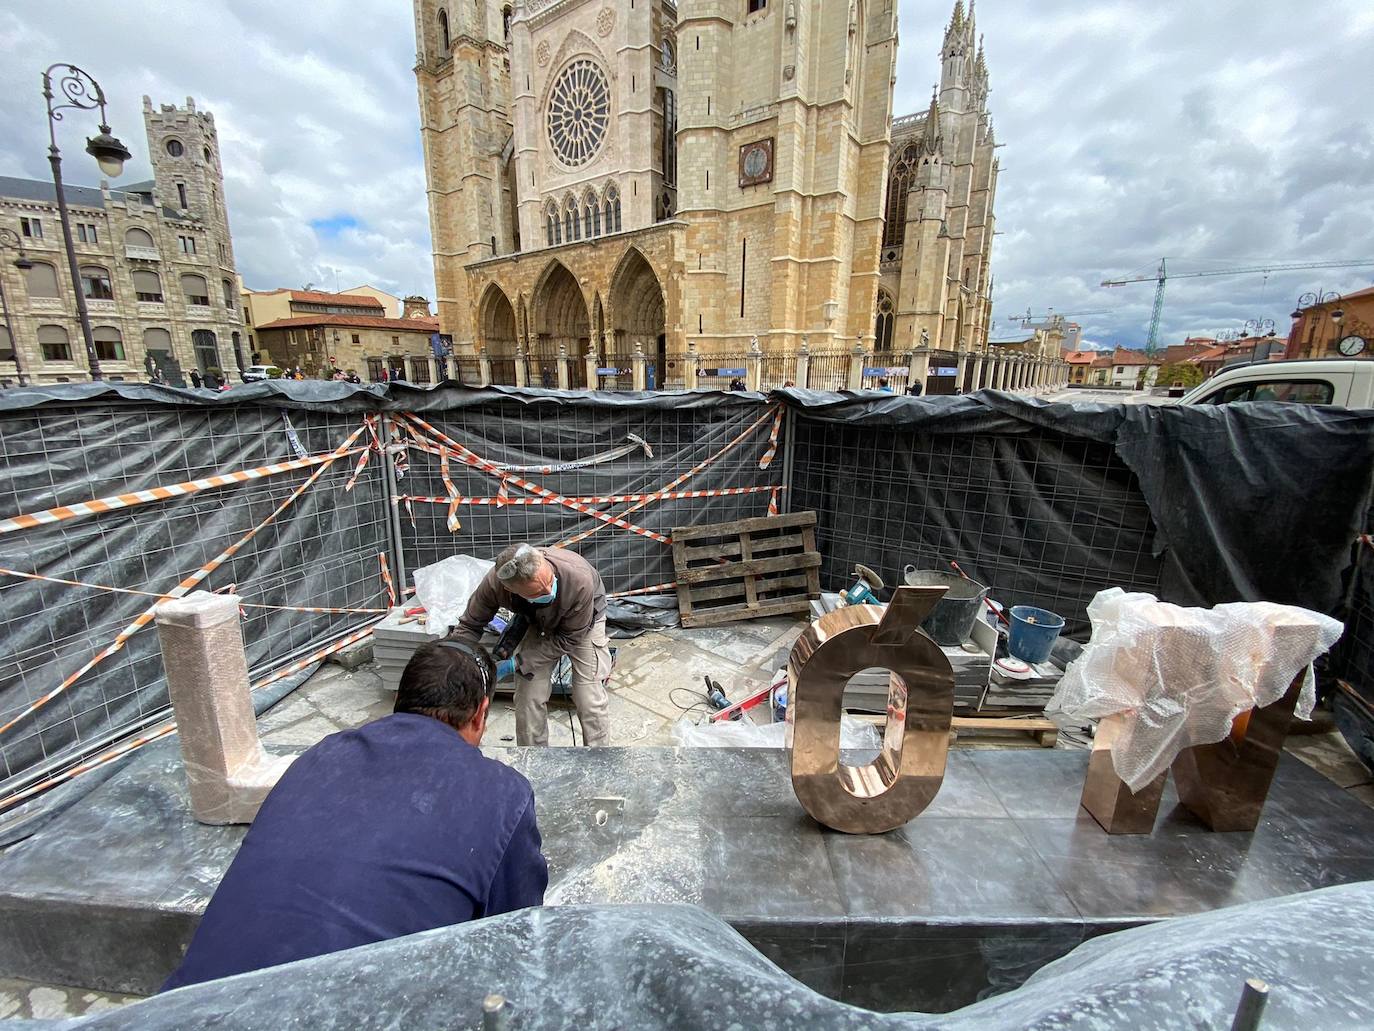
(898, 785)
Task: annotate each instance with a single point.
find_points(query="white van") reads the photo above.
(1346, 382)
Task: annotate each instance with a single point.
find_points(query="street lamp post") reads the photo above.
(78, 90)
(1320, 299)
(9, 238)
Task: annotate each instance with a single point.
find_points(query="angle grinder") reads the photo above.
(863, 591)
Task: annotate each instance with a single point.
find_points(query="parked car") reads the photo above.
(1346, 382)
(257, 373)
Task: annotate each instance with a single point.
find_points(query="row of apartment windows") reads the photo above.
(86, 232)
(55, 344)
(96, 285)
(585, 221)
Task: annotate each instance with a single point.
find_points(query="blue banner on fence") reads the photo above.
(950, 371)
(721, 372)
(441, 344)
(612, 371)
(896, 370)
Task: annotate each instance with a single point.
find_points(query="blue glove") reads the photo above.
(505, 669)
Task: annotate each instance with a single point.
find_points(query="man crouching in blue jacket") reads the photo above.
(399, 826)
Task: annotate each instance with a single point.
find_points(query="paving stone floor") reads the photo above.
(658, 676)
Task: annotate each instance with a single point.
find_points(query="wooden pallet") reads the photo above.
(746, 569)
(1042, 731)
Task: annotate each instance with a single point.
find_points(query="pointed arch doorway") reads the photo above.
(560, 320)
(635, 315)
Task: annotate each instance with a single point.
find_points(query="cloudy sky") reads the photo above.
(1218, 134)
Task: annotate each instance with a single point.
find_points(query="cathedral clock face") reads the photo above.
(756, 162)
(1352, 345)
(579, 112)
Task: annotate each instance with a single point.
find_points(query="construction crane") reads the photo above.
(1028, 318)
(1162, 275)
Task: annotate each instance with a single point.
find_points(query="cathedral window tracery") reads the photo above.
(898, 185)
(579, 112)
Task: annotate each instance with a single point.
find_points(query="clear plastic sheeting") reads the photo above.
(854, 734)
(1185, 674)
(445, 587)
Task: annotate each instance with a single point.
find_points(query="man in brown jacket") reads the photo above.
(563, 598)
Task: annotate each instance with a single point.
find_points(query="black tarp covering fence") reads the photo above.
(1048, 503)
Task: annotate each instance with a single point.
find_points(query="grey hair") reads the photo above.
(518, 562)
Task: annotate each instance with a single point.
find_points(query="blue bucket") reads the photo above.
(1033, 633)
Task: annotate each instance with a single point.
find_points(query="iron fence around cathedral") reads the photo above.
(776, 370)
(616, 371)
(886, 370)
(721, 371)
(828, 370)
(674, 376)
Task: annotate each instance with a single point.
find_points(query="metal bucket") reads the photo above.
(951, 621)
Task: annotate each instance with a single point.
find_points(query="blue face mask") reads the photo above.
(545, 599)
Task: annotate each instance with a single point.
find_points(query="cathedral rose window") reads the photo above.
(579, 111)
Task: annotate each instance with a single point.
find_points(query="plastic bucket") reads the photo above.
(1033, 633)
(952, 619)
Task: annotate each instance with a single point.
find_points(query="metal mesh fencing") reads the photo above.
(1041, 518)
(320, 551)
(726, 441)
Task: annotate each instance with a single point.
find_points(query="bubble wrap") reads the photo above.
(1186, 674)
(445, 587)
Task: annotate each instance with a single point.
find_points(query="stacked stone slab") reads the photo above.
(394, 642)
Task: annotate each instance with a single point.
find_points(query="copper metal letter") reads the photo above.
(899, 784)
(1223, 784)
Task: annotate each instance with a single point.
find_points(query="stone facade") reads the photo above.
(156, 260)
(610, 178)
(938, 222)
(318, 344)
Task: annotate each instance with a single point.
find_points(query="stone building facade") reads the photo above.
(156, 266)
(375, 347)
(707, 176)
(935, 290)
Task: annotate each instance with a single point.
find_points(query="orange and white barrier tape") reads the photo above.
(773, 502)
(470, 458)
(678, 481)
(387, 582)
(185, 586)
(164, 597)
(605, 499)
(132, 745)
(96, 506)
(655, 589)
(376, 445)
(767, 458)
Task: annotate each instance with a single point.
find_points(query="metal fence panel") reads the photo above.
(776, 370)
(1016, 512)
(721, 371)
(321, 550)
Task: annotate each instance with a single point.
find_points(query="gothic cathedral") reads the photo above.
(606, 177)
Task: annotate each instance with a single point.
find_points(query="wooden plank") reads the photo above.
(729, 614)
(736, 589)
(684, 596)
(739, 570)
(751, 589)
(730, 549)
(1043, 731)
(813, 577)
(696, 533)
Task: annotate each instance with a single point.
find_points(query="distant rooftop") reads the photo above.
(44, 192)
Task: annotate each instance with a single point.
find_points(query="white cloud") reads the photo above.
(1216, 134)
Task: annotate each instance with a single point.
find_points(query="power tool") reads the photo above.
(862, 593)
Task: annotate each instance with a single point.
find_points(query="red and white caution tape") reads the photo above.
(767, 458)
(470, 458)
(132, 745)
(655, 589)
(605, 499)
(97, 506)
(678, 481)
(773, 502)
(387, 582)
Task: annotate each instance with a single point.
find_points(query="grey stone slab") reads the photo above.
(993, 879)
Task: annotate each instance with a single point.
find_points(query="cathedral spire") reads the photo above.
(972, 19)
(933, 138)
(956, 22)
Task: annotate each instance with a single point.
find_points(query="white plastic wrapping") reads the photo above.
(445, 587)
(746, 734)
(1185, 674)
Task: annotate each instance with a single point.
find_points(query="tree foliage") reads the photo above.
(1184, 374)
